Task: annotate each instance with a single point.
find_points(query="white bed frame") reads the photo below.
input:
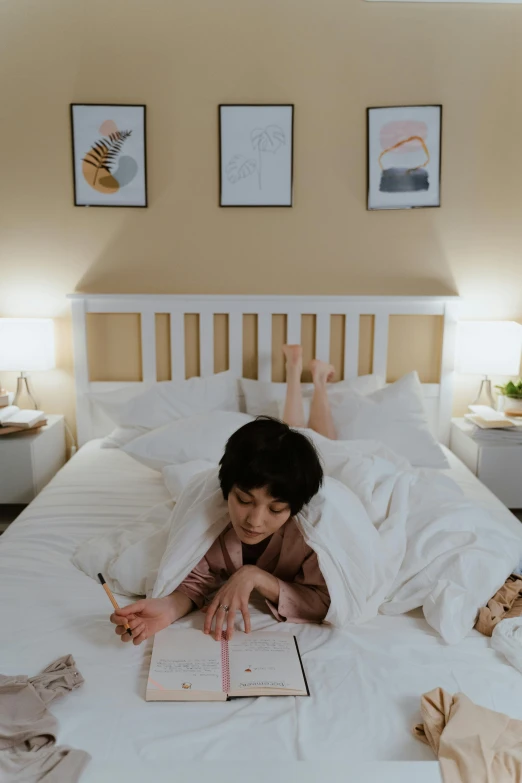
(438, 396)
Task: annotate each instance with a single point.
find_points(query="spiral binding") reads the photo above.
(225, 665)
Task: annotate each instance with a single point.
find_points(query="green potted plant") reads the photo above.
(512, 394)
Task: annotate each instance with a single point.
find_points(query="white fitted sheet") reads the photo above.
(366, 682)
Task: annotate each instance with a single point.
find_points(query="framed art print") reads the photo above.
(256, 155)
(109, 155)
(404, 156)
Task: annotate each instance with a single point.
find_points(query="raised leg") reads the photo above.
(294, 411)
(320, 413)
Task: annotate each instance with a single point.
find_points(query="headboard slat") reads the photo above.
(322, 337)
(148, 346)
(380, 344)
(235, 343)
(264, 346)
(206, 344)
(293, 328)
(177, 344)
(81, 370)
(351, 345)
(447, 370)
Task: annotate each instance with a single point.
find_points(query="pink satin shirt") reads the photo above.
(303, 595)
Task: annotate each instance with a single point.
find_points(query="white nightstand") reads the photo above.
(29, 460)
(497, 465)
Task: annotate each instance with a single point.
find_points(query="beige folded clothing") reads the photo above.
(473, 744)
(28, 730)
(507, 602)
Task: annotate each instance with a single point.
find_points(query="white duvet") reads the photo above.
(389, 538)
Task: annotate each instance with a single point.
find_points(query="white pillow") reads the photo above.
(176, 477)
(121, 436)
(166, 401)
(395, 416)
(201, 437)
(264, 398)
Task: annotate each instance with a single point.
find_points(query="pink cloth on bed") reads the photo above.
(303, 595)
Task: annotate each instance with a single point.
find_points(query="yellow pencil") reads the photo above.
(112, 599)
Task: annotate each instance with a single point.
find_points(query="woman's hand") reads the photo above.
(235, 594)
(150, 615)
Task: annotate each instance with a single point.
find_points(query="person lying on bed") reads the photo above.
(267, 474)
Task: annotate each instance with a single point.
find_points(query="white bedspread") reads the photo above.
(366, 681)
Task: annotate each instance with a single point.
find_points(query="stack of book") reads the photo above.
(13, 419)
(492, 426)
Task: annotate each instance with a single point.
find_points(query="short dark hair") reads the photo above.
(267, 453)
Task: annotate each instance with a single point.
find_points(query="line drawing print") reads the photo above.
(239, 167)
(268, 139)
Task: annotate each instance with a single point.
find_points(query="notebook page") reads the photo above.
(184, 660)
(259, 660)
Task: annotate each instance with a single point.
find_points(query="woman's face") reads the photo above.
(255, 514)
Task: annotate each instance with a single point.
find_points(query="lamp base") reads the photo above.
(23, 386)
(484, 396)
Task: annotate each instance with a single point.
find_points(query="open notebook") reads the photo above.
(188, 665)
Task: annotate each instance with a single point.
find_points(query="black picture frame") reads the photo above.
(406, 173)
(81, 185)
(222, 157)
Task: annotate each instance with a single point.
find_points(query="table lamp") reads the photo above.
(26, 344)
(488, 348)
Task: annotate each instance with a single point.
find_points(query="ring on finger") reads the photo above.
(225, 607)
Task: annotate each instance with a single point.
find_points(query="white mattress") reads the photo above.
(365, 683)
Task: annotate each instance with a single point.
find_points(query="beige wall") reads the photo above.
(332, 59)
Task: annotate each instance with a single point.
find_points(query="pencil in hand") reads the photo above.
(112, 599)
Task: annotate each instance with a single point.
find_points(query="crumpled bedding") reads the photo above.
(389, 538)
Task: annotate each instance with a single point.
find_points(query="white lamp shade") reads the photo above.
(27, 344)
(489, 347)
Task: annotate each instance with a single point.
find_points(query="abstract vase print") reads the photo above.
(404, 156)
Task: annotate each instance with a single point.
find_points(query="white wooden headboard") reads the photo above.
(438, 396)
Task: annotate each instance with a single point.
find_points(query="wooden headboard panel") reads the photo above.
(438, 395)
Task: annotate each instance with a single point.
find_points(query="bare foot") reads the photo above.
(322, 372)
(293, 355)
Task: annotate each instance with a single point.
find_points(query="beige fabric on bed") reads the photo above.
(473, 744)
(507, 602)
(28, 730)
